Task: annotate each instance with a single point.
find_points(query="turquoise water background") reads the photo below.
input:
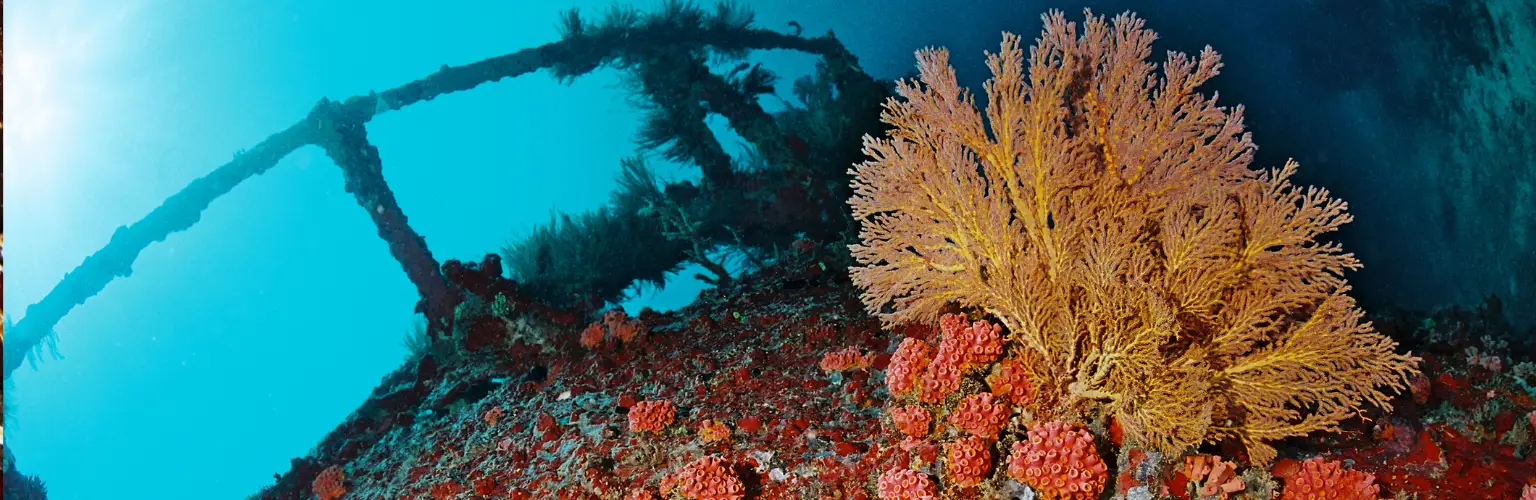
(237, 344)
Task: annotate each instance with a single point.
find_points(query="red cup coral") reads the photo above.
(969, 461)
(1319, 479)
(977, 344)
(614, 326)
(1059, 461)
(905, 484)
(911, 420)
(845, 359)
(979, 416)
(708, 478)
(942, 376)
(909, 361)
(651, 416)
(1009, 382)
(622, 327)
(713, 431)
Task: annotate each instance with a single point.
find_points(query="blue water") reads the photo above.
(237, 344)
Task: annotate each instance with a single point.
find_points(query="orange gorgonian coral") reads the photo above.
(1105, 213)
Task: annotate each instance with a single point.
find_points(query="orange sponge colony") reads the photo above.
(1210, 477)
(906, 484)
(1326, 480)
(708, 478)
(615, 326)
(1059, 461)
(969, 461)
(592, 336)
(329, 484)
(651, 416)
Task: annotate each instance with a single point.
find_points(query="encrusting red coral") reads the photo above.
(1211, 477)
(911, 420)
(651, 416)
(905, 484)
(909, 361)
(979, 416)
(329, 484)
(1059, 461)
(708, 478)
(969, 461)
(1327, 480)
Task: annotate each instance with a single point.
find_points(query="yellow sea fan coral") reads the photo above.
(1105, 212)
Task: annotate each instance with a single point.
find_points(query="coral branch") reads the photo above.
(345, 139)
(177, 213)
